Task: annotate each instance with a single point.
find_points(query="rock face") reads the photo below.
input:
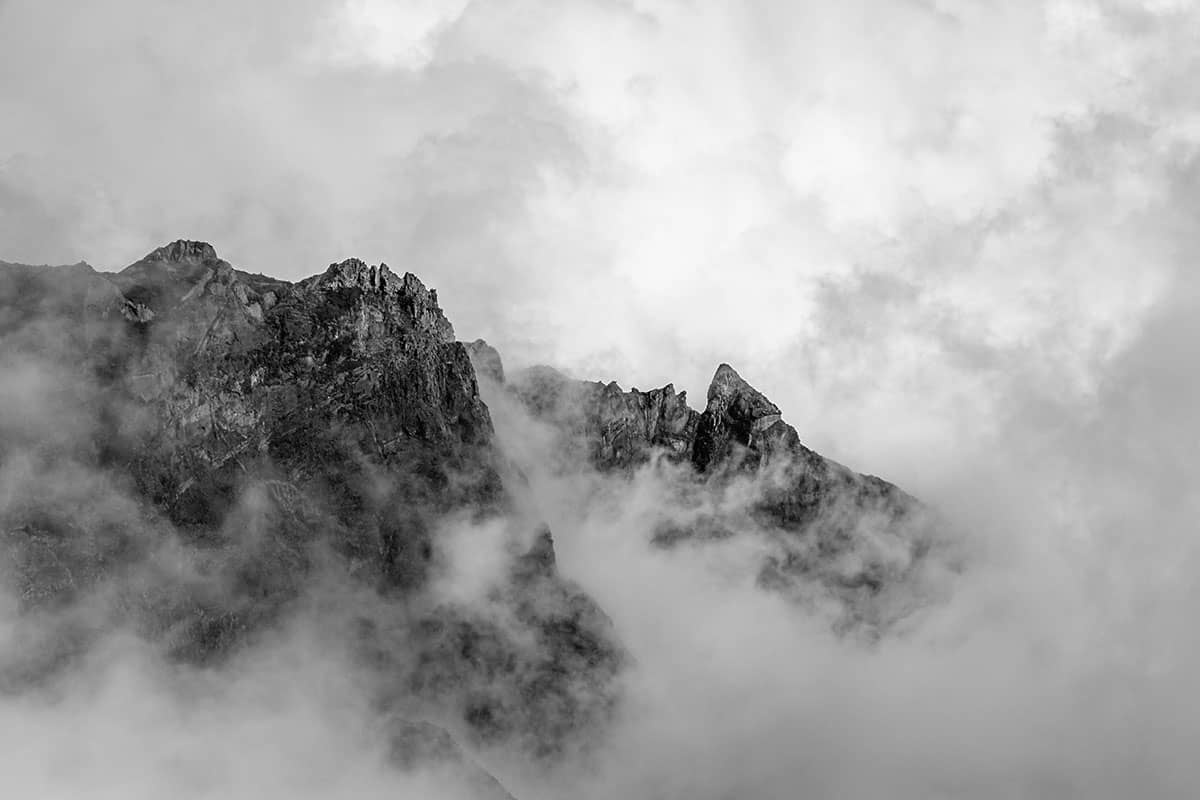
(191, 452)
(186, 446)
(832, 534)
(614, 430)
(739, 422)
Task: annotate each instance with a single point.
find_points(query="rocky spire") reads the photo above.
(737, 414)
(183, 251)
(354, 273)
(729, 388)
(408, 291)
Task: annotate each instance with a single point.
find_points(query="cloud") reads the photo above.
(641, 190)
(1044, 669)
(286, 721)
(951, 240)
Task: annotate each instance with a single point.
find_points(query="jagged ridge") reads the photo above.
(855, 536)
(273, 427)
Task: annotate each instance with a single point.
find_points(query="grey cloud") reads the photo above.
(956, 254)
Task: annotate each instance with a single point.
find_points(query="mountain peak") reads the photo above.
(171, 273)
(728, 387)
(737, 413)
(354, 273)
(308, 431)
(414, 298)
(184, 251)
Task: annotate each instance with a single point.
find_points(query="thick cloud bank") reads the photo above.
(913, 204)
(952, 240)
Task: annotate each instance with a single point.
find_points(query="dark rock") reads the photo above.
(737, 416)
(615, 429)
(216, 437)
(550, 694)
(186, 446)
(831, 530)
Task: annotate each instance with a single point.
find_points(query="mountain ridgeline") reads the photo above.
(189, 452)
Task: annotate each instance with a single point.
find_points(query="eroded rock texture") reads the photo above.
(195, 453)
(834, 537)
(185, 447)
(612, 429)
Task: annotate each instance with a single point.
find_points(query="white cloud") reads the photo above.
(386, 33)
(951, 239)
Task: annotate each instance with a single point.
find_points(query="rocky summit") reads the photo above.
(193, 453)
(826, 529)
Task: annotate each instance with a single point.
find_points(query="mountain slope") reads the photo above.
(829, 531)
(202, 456)
(188, 450)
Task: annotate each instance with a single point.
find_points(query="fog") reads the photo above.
(1058, 662)
(952, 241)
(1057, 666)
(284, 724)
(886, 211)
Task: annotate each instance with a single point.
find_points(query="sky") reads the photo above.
(951, 240)
(907, 209)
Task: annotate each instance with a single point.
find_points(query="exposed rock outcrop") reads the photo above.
(615, 430)
(832, 533)
(738, 416)
(215, 438)
(189, 450)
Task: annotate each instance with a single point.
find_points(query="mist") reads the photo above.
(1056, 664)
(907, 204)
(952, 241)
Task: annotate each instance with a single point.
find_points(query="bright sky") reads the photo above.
(953, 240)
(925, 212)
